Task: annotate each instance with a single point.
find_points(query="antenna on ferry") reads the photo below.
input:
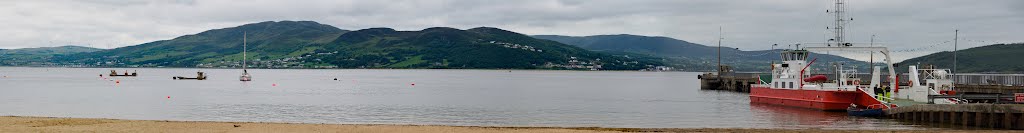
(773, 51)
(871, 61)
(956, 35)
(839, 26)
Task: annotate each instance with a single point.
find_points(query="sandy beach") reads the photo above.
(50, 124)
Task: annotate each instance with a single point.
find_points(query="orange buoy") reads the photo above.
(118, 81)
(168, 97)
(413, 84)
(273, 84)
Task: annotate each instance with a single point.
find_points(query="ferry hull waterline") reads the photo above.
(811, 99)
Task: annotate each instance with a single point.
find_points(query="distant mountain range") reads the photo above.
(307, 44)
(32, 56)
(686, 55)
(996, 58)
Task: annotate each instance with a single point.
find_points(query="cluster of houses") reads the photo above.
(517, 46)
(575, 63)
(289, 62)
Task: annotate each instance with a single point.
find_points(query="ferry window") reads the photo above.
(791, 85)
(775, 84)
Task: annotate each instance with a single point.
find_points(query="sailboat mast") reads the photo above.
(244, 48)
(719, 50)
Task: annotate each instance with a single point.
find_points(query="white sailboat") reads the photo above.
(245, 73)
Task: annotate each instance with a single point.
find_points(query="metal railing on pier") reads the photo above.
(990, 79)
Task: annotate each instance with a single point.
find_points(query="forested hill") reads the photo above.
(996, 58)
(307, 44)
(685, 55)
(34, 56)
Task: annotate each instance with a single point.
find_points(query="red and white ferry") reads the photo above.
(791, 84)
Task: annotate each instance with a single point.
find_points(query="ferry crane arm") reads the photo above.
(802, 72)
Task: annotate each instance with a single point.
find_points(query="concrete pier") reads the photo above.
(731, 82)
(997, 116)
(726, 79)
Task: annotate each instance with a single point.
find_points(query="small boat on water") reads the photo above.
(113, 73)
(245, 73)
(199, 76)
(877, 110)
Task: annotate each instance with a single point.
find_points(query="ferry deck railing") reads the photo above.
(960, 79)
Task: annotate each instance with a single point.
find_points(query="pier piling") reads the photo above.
(995, 116)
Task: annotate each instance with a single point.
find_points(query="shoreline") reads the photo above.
(59, 124)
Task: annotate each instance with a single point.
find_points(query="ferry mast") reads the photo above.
(838, 27)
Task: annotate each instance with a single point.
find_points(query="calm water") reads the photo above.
(434, 97)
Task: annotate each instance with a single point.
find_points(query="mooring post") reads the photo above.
(943, 116)
(921, 117)
(1020, 121)
(924, 117)
(931, 116)
(916, 117)
(1008, 120)
(978, 118)
(966, 119)
(992, 119)
(953, 118)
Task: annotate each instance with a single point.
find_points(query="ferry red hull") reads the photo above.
(813, 99)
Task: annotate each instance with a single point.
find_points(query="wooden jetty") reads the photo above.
(999, 116)
(726, 79)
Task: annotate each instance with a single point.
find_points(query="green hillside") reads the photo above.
(307, 44)
(996, 58)
(453, 48)
(271, 40)
(686, 55)
(31, 56)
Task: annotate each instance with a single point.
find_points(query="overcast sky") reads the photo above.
(748, 25)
